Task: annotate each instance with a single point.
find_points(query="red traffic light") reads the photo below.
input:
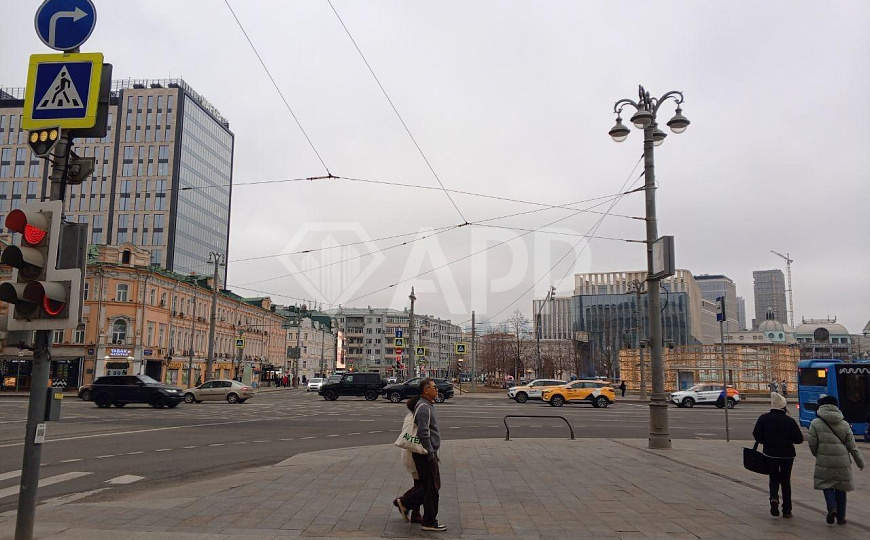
(51, 295)
(33, 226)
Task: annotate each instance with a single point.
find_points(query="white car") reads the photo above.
(533, 390)
(704, 394)
(314, 384)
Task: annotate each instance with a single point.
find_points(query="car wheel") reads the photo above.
(557, 401)
(232, 398)
(731, 403)
(601, 402)
(439, 398)
(118, 404)
(103, 401)
(688, 403)
(190, 398)
(330, 395)
(522, 397)
(395, 397)
(157, 401)
(371, 395)
(86, 395)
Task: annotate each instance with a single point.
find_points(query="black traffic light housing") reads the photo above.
(42, 141)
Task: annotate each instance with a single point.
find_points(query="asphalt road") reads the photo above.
(138, 448)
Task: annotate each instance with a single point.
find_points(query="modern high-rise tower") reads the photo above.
(770, 294)
(163, 175)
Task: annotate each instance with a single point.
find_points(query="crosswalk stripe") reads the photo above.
(8, 492)
(10, 474)
(125, 479)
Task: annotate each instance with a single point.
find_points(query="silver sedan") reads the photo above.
(219, 390)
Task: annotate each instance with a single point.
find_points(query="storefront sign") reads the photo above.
(116, 353)
(148, 352)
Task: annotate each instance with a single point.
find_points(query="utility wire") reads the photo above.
(275, 84)
(395, 110)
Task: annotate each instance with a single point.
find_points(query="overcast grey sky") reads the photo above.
(515, 99)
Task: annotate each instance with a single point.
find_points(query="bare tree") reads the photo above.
(518, 327)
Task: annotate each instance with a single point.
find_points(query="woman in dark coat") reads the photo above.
(777, 432)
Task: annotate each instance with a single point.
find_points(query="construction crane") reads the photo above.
(788, 261)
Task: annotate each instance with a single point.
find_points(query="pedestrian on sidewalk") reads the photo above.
(622, 388)
(408, 461)
(426, 464)
(777, 432)
(783, 389)
(285, 382)
(772, 386)
(832, 442)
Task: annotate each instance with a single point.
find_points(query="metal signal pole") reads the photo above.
(213, 257)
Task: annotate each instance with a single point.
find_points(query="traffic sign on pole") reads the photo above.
(240, 343)
(63, 90)
(64, 25)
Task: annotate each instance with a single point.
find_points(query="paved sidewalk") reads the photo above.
(491, 489)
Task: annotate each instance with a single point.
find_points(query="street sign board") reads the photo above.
(64, 25)
(399, 332)
(63, 90)
(240, 343)
(398, 352)
(399, 342)
(421, 351)
(460, 348)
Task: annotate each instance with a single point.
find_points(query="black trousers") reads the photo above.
(780, 476)
(427, 493)
(415, 510)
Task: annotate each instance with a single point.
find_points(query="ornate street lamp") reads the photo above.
(646, 111)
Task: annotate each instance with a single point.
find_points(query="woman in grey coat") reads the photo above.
(832, 442)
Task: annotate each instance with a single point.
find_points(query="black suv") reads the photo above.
(119, 390)
(368, 385)
(411, 387)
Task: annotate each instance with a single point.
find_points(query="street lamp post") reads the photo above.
(539, 366)
(646, 109)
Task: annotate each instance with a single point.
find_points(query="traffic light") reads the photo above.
(45, 290)
(41, 141)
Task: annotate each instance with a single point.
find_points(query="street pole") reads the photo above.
(298, 355)
(659, 433)
(192, 340)
(473, 357)
(412, 353)
(239, 354)
(645, 118)
(724, 379)
(39, 375)
(322, 338)
(214, 257)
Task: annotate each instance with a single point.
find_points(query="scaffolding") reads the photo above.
(750, 367)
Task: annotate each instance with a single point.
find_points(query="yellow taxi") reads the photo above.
(599, 394)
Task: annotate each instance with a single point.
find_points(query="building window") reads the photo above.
(153, 297)
(87, 289)
(150, 340)
(163, 299)
(119, 332)
(79, 336)
(57, 337)
(121, 295)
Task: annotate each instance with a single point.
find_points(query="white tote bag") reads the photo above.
(408, 439)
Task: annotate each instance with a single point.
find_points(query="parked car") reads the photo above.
(704, 394)
(533, 390)
(219, 390)
(598, 393)
(119, 390)
(314, 384)
(368, 385)
(392, 380)
(411, 388)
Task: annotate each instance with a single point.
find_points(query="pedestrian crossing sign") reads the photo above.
(63, 90)
(240, 343)
(421, 351)
(460, 348)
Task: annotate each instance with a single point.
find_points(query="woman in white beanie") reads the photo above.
(777, 432)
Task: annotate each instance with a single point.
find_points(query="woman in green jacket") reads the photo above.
(832, 442)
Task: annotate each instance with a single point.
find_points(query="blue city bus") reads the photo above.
(849, 382)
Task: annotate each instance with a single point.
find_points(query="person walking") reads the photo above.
(408, 461)
(777, 432)
(622, 388)
(832, 442)
(426, 464)
(783, 389)
(772, 386)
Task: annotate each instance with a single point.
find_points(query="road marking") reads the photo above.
(457, 427)
(125, 479)
(107, 456)
(376, 431)
(706, 434)
(189, 447)
(135, 453)
(261, 441)
(353, 433)
(10, 474)
(163, 449)
(217, 444)
(45, 482)
(303, 438)
(71, 460)
(366, 420)
(241, 442)
(290, 439)
(333, 435)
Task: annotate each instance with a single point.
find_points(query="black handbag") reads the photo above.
(755, 461)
